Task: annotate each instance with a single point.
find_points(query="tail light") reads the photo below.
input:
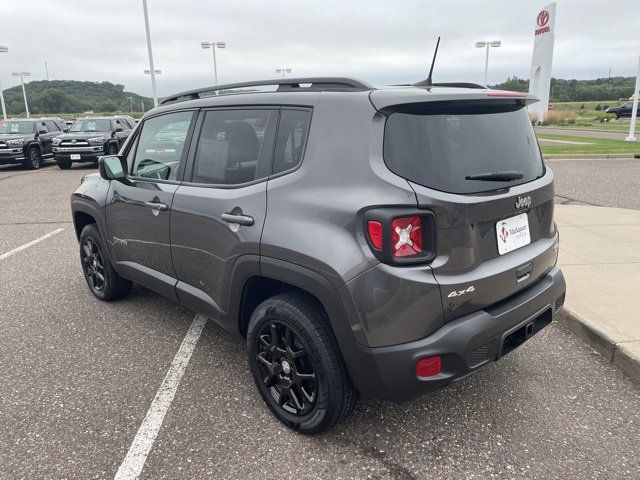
(375, 233)
(429, 366)
(399, 236)
(406, 236)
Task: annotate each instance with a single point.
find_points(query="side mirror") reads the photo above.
(112, 167)
(42, 130)
(65, 130)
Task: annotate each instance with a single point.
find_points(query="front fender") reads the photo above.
(90, 198)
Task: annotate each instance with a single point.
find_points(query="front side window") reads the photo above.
(292, 137)
(160, 144)
(235, 146)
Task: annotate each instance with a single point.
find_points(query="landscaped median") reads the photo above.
(568, 144)
(600, 258)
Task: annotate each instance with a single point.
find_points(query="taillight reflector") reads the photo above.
(375, 233)
(406, 236)
(429, 366)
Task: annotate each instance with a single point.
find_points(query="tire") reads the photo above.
(301, 376)
(112, 149)
(64, 164)
(33, 160)
(103, 281)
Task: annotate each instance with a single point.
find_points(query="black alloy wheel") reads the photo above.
(33, 160)
(93, 263)
(296, 363)
(287, 369)
(103, 281)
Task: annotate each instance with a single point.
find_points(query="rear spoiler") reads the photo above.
(387, 100)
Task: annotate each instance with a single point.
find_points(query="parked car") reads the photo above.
(381, 240)
(28, 141)
(623, 110)
(91, 137)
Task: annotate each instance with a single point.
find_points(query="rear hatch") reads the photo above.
(495, 234)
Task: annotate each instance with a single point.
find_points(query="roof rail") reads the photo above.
(288, 84)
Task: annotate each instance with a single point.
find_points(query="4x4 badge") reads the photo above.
(523, 202)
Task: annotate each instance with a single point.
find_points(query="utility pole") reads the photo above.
(487, 44)
(634, 113)
(24, 92)
(283, 71)
(46, 69)
(4, 110)
(152, 70)
(213, 46)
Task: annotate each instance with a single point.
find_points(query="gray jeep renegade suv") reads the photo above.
(381, 240)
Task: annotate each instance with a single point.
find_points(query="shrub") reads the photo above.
(557, 117)
(603, 117)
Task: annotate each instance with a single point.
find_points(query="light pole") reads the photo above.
(4, 110)
(24, 92)
(283, 71)
(152, 70)
(487, 44)
(634, 113)
(153, 83)
(213, 46)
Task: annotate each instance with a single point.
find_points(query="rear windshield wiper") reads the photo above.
(506, 176)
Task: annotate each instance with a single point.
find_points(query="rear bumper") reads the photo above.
(465, 344)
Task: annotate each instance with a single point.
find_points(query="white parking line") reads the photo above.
(141, 446)
(32, 242)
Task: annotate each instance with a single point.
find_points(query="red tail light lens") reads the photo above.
(406, 236)
(375, 233)
(429, 366)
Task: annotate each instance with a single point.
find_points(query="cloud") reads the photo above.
(379, 41)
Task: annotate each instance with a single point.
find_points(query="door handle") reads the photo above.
(156, 206)
(245, 220)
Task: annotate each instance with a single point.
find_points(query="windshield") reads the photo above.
(91, 125)
(12, 127)
(440, 147)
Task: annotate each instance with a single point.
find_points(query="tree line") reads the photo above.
(71, 96)
(612, 88)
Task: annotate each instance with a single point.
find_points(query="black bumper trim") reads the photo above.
(389, 372)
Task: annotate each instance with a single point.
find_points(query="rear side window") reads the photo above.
(292, 138)
(159, 146)
(440, 147)
(235, 146)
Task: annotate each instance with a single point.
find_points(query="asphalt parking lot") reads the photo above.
(603, 183)
(78, 377)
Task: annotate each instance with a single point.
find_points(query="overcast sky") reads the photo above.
(378, 41)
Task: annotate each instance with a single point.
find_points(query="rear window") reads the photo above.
(440, 146)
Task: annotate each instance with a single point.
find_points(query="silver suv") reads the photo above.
(381, 240)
